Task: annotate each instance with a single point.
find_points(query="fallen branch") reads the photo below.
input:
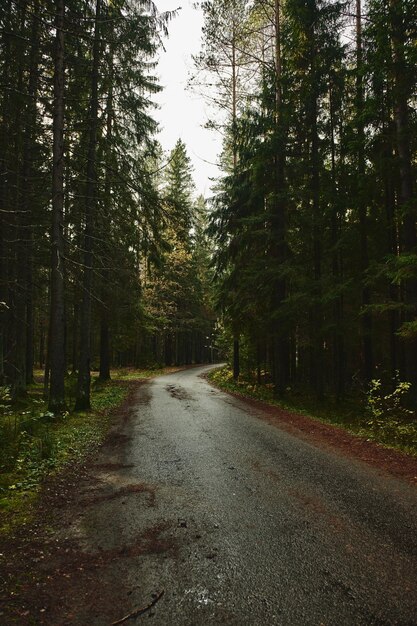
(138, 612)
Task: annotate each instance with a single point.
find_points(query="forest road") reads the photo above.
(240, 522)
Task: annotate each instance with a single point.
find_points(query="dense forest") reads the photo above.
(315, 218)
(104, 254)
(307, 248)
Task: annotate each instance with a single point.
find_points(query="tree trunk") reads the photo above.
(104, 312)
(56, 347)
(366, 317)
(318, 356)
(28, 198)
(407, 203)
(104, 350)
(168, 349)
(41, 346)
(82, 402)
(17, 285)
(236, 358)
(75, 333)
(388, 168)
(338, 340)
(278, 225)
(4, 208)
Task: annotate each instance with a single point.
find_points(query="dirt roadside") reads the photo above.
(380, 457)
(41, 569)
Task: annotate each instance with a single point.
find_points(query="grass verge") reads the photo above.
(352, 415)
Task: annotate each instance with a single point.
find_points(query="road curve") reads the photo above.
(243, 523)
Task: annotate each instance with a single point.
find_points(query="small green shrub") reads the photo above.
(383, 406)
(387, 412)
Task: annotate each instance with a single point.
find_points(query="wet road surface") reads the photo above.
(242, 523)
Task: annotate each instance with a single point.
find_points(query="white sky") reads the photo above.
(183, 114)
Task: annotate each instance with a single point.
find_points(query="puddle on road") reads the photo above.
(178, 392)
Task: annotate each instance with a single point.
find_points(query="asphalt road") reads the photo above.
(241, 523)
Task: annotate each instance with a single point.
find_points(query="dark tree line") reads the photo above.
(315, 218)
(85, 210)
(177, 294)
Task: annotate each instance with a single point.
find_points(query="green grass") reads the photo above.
(350, 413)
(34, 443)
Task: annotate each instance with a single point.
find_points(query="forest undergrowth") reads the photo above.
(377, 415)
(35, 442)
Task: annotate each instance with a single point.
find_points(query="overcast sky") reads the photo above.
(182, 113)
